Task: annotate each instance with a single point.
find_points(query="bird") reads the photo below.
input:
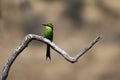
(48, 33)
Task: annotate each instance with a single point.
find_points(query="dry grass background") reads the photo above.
(100, 63)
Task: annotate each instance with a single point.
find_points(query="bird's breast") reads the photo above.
(48, 33)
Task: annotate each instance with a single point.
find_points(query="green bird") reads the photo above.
(48, 33)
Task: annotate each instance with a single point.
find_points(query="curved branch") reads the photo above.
(31, 37)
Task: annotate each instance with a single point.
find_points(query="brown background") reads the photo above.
(76, 23)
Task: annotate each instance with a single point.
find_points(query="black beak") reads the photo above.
(44, 24)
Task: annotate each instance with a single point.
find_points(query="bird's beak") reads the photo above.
(44, 24)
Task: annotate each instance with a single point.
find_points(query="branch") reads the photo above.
(31, 37)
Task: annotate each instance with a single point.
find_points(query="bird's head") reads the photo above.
(48, 25)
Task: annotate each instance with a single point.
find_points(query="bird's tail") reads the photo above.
(48, 52)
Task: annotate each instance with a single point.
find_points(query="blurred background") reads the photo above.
(76, 23)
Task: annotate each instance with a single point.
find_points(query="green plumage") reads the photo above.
(48, 33)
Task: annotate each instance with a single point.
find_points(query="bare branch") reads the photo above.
(31, 37)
